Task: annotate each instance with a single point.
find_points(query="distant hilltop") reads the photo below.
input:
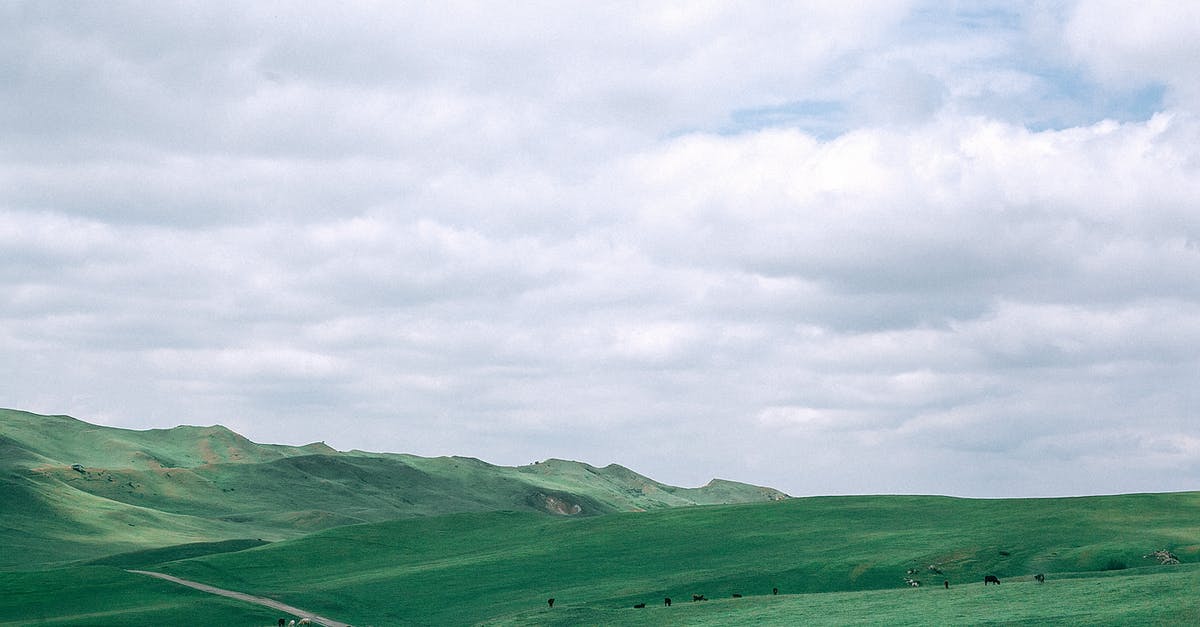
(88, 487)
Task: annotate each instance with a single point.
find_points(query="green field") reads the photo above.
(490, 555)
(75, 491)
(469, 568)
(104, 595)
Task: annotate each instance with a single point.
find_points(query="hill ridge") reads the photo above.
(208, 483)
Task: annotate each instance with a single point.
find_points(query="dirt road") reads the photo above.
(241, 596)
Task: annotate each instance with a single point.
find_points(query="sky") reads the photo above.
(832, 248)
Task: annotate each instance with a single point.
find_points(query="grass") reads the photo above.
(150, 557)
(78, 491)
(1144, 597)
(453, 541)
(104, 595)
(468, 568)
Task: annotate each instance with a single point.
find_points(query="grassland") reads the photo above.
(108, 596)
(838, 560)
(469, 568)
(1144, 596)
(76, 491)
(491, 555)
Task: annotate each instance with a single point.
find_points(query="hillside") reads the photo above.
(74, 490)
(835, 560)
(470, 567)
(395, 539)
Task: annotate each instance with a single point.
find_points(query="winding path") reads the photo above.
(242, 596)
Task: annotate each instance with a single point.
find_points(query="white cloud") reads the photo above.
(1131, 45)
(765, 241)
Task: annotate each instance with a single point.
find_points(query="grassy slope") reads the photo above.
(500, 567)
(1159, 596)
(195, 484)
(473, 567)
(104, 595)
(1152, 595)
(142, 489)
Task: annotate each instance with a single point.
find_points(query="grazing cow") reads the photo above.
(736, 595)
(667, 601)
(639, 606)
(990, 579)
(912, 582)
(934, 569)
(282, 622)
(1040, 578)
(698, 597)
(550, 601)
(304, 621)
(947, 584)
(774, 590)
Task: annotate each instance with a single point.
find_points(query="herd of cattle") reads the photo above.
(987, 579)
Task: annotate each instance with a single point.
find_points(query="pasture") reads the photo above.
(1145, 595)
(1142, 596)
(470, 568)
(379, 539)
(75, 491)
(105, 595)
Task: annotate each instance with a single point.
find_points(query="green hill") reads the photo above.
(392, 539)
(80, 491)
(835, 560)
(466, 568)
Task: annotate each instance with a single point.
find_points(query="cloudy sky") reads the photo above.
(852, 247)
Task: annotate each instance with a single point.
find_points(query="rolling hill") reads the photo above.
(393, 539)
(467, 568)
(835, 561)
(74, 490)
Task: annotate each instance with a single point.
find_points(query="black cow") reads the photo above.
(990, 579)
(1040, 578)
(667, 601)
(947, 584)
(698, 597)
(736, 595)
(550, 601)
(774, 590)
(639, 606)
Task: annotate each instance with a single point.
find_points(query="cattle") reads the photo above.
(639, 606)
(550, 601)
(698, 597)
(912, 582)
(1040, 578)
(946, 583)
(667, 601)
(282, 622)
(990, 579)
(774, 590)
(736, 595)
(305, 621)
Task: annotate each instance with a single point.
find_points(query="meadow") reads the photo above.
(835, 560)
(419, 548)
(469, 568)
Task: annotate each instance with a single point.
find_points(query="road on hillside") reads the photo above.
(249, 598)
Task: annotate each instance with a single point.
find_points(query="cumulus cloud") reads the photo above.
(878, 247)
